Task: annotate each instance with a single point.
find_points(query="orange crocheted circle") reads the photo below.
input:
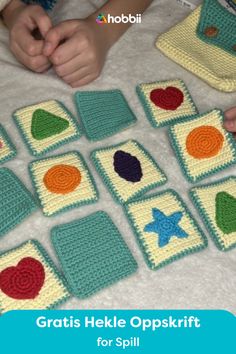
(62, 179)
(204, 142)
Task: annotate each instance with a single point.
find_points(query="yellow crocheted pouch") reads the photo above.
(211, 63)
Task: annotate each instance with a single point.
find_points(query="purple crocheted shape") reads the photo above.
(127, 166)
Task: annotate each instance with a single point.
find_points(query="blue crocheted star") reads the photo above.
(166, 226)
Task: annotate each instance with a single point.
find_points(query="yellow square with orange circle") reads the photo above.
(63, 182)
(202, 145)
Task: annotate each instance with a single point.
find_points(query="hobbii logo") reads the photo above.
(102, 19)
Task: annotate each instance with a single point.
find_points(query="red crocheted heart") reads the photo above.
(169, 99)
(23, 281)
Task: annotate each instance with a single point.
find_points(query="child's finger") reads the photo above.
(67, 51)
(77, 75)
(57, 34)
(230, 125)
(42, 21)
(230, 113)
(26, 41)
(70, 67)
(84, 81)
(34, 63)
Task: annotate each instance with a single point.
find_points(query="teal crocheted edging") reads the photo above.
(9, 143)
(54, 146)
(213, 231)
(111, 187)
(107, 131)
(177, 149)
(19, 216)
(46, 259)
(81, 287)
(171, 120)
(138, 235)
(73, 205)
(213, 14)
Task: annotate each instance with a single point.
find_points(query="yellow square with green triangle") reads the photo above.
(216, 203)
(45, 126)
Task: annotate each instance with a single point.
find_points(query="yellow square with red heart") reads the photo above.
(29, 280)
(166, 102)
(63, 182)
(202, 145)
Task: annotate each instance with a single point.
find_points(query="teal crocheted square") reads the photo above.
(29, 279)
(217, 26)
(46, 126)
(128, 170)
(216, 203)
(92, 253)
(7, 148)
(62, 182)
(164, 228)
(16, 203)
(103, 113)
(202, 146)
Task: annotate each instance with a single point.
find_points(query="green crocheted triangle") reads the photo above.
(46, 124)
(226, 212)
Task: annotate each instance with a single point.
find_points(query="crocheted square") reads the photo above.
(7, 148)
(164, 228)
(63, 182)
(92, 253)
(217, 26)
(216, 202)
(46, 126)
(165, 102)
(128, 170)
(103, 113)
(16, 203)
(29, 279)
(203, 146)
(182, 45)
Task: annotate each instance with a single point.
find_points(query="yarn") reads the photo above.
(170, 98)
(204, 142)
(127, 166)
(226, 212)
(62, 179)
(23, 281)
(92, 254)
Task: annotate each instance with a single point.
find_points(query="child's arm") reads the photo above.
(81, 58)
(21, 21)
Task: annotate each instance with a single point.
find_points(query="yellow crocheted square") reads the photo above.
(7, 149)
(216, 203)
(128, 170)
(203, 146)
(212, 64)
(29, 280)
(165, 102)
(53, 114)
(172, 219)
(63, 182)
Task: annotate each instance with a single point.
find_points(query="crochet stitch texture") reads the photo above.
(92, 253)
(182, 45)
(7, 148)
(16, 202)
(216, 203)
(103, 113)
(159, 252)
(29, 279)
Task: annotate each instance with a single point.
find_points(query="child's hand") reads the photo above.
(81, 56)
(22, 21)
(230, 120)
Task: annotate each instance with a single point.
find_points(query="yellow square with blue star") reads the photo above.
(165, 228)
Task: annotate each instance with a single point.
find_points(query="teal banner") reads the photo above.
(148, 331)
